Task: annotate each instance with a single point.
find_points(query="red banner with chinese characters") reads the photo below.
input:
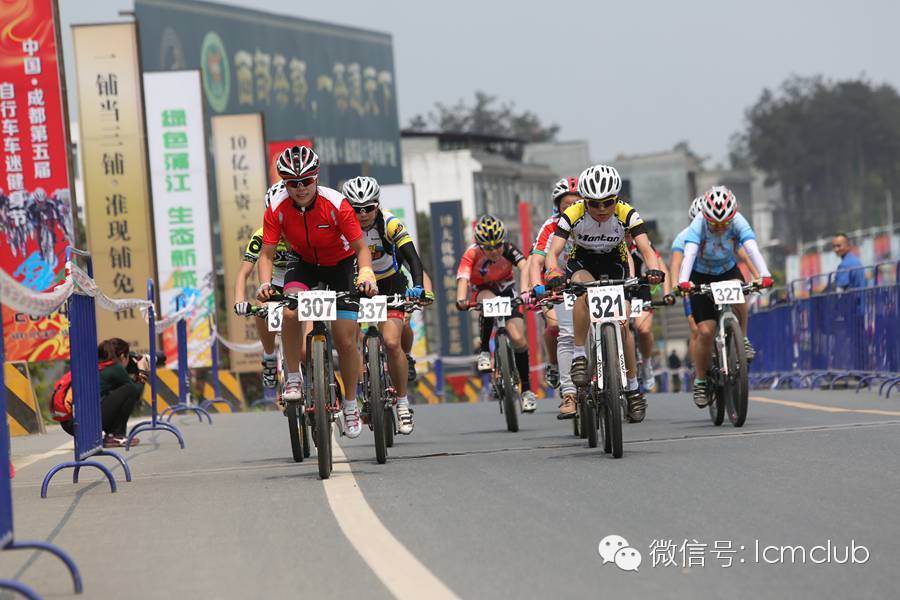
(276, 148)
(36, 221)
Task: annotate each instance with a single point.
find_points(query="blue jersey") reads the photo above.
(716, 253)
(678, 242)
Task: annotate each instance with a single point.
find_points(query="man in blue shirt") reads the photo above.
(848, 276)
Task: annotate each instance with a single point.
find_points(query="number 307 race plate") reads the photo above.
(317, 305)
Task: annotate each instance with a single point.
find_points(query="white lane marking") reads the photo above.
(30, 459)
(401, 572)
(826, 408)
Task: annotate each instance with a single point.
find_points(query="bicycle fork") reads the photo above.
(598, 350)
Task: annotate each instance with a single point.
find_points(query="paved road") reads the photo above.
(465, 508)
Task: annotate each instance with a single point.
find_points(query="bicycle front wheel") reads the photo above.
(376, 397)
(322, 399)
(504, 370)
(736, 384)
(612, 388)
(715, 389)
(294, 425)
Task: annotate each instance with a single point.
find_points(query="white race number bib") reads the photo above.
(372, 310)
(317, 305)
(497, 307)
(727, 292)
(274, 316)
(607, 303)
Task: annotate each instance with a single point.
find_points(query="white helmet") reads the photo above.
(360, 191)
(599, 182)
(719, 204)
(696, 207)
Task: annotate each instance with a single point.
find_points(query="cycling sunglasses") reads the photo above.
(490, 246)
(305, 182)
(364, 210)
(602, 203)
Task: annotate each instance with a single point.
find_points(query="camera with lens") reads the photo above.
(134, 358)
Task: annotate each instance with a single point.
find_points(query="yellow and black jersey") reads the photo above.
(593, 237)
(383, 239)
(282, 255)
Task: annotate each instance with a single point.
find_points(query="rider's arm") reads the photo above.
(687, 263)
(266, 263)
(647, 253)
(667, 281)
(464, 274)
(522, 265)
(462, 288)
(556, 247)
(675, 268)
(745, 258)
(756, 257)
(407, 253)
(363, 256)
(240, 282)
(535, 269)
(426, 282)
(515, 256)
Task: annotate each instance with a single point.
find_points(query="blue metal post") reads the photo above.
(439, 378)
(154, 424)
(183, 372)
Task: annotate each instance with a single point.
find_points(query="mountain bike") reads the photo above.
(504, 376)
(603, 403)
(380, 395)
(727, 387)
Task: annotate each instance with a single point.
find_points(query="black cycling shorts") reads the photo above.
(610, 265)
(340, 278)
(393, 284)
(702, 306)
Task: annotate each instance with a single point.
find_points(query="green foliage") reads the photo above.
(833, 146)
(485, 117)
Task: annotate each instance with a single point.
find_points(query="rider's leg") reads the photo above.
(741, 311)
(644, 326)
(290, 338)
(564, 347)
(406, 340)
(701, 347)
(551, 333)
(630, 357)
(266, 337)
(344, 332)
(487, 328)
(580, 315)
(516, 329)
(392, 332)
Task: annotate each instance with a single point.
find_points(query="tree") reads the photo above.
(833, 146)
(485, 117)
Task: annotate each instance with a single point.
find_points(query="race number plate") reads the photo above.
(497, 307)
(637, 307)
(568, 300)
(372, 310)
(727, 292)
(274, 317)
(317, 305)
(607, 303)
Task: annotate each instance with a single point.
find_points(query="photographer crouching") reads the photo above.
(122, 378)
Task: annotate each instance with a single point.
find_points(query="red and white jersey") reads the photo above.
(541, 245)
(320, 233)
(481, 271)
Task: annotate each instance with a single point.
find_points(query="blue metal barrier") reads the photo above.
(7, 536)
(217, 385)
(831, 337)
(87, 418)
(184, 374)
(154, 424)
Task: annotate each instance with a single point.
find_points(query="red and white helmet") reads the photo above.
(297, 162)
(719, 205)
(564, 187)
(696, 206)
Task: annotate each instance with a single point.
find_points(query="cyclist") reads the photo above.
(242, 307)
(597, 226)
(643, 324)
(390, 244)
(559, 333)
(486, 271)
(324, 234)
(709, 255)
(677, 255)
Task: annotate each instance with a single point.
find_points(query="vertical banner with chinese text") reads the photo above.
(36, 216)
(447, 247)
(239, 155)
(177, 151)
(117, 202)
(400, 200)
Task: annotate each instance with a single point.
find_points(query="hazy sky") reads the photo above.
(629, 77)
